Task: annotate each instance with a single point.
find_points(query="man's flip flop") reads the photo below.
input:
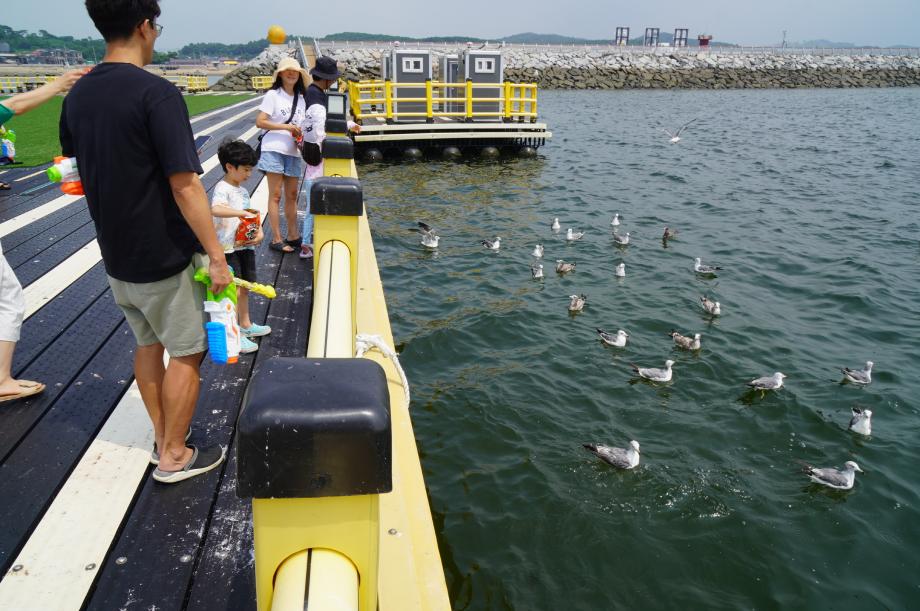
(281, 247)
(295, 243)
(28, 387)
(201, 462)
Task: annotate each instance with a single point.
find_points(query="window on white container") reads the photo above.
(412, 65)
(484, 65)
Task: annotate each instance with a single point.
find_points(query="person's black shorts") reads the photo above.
(243, 263)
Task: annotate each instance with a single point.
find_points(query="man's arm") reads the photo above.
(24, 102)
(193, 204)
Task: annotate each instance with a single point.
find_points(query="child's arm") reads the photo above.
(226, 212)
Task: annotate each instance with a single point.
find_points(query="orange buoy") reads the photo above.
(276, 35)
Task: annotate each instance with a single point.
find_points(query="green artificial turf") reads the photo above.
(37, 131)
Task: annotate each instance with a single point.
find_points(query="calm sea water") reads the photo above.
(809, 200)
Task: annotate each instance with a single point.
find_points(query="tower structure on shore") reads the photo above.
(680, 37)
(651, 37)
(622, 38)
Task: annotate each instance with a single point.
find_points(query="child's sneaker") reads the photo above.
(256, 330)
(306, 251)
(247, 345)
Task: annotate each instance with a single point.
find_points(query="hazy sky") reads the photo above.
(865, 22)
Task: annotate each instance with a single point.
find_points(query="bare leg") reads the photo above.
(290, 206)
(274, 203)
(148, 372)
(179, 396)
(242, 307)
(8, 386)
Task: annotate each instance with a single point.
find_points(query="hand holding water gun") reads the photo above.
(223, 330)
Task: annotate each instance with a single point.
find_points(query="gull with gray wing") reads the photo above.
(621, 458)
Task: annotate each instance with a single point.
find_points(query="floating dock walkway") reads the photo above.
(84, 525)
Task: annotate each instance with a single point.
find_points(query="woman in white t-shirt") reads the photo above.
(281, 160)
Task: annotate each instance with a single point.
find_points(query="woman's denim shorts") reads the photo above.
(278, 163)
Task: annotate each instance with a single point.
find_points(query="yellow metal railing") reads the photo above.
(262, 83)
(17, 84)
(378, 99)
(188, 82)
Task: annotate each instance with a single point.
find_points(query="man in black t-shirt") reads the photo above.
(130, 133)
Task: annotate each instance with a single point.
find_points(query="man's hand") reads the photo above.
(219, 273)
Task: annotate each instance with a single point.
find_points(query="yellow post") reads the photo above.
(469, 100)
(509, 99)
(388, 100)
(429, 110)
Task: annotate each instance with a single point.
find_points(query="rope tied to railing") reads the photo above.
(365, 343)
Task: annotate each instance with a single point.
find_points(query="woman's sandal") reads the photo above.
(281, 247)
(295, 243)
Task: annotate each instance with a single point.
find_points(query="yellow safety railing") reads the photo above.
(378, 99)
(262, 83)
(17, 84)
(188, 82)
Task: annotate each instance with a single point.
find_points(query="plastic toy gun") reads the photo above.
(65, 172)
(223, 330)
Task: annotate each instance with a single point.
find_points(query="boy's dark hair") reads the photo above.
(116, 19)
(236, 153)
(298, 86)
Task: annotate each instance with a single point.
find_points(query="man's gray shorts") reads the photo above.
(169, 311)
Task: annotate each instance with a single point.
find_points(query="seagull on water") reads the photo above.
(537, 251)
(572, 235)
(621, 240)
(699, 268)
(675, 137)
(653, 373)
(832, 478)
(861, 422)
(668, 234)
(536, 270)
(617, 341)
(621, 458)
(556, 226)
(493, 244)
(621, 270)
(859, 376)
(577, 303)
(430, 238)
(616, 220)
(711, 307)
(773, 382)
(563, 268)
(688, 343)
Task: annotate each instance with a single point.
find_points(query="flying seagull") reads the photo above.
(621, 270)
(430, 237)
(699, 268)
(711, 307)
(621, 458)
(621, 240)
(618, 340)
(653, 373)
(832, 478)
(859, 376)
(675, 137)
(563, 268)
(773, 382)
(861, 422)
(572, 235)
(537, 251)
(577, 303)
(493, 244)
(688, 343)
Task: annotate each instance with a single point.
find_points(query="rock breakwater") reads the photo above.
(616, 69)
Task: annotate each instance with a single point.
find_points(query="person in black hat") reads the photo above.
(324, 74)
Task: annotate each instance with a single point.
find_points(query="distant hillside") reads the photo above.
(823, 44)
(529, 38)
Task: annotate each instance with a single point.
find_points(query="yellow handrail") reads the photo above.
(376, 99)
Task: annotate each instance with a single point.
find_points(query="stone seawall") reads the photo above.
(598, 69)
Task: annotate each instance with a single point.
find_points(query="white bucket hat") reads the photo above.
(289, 63)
